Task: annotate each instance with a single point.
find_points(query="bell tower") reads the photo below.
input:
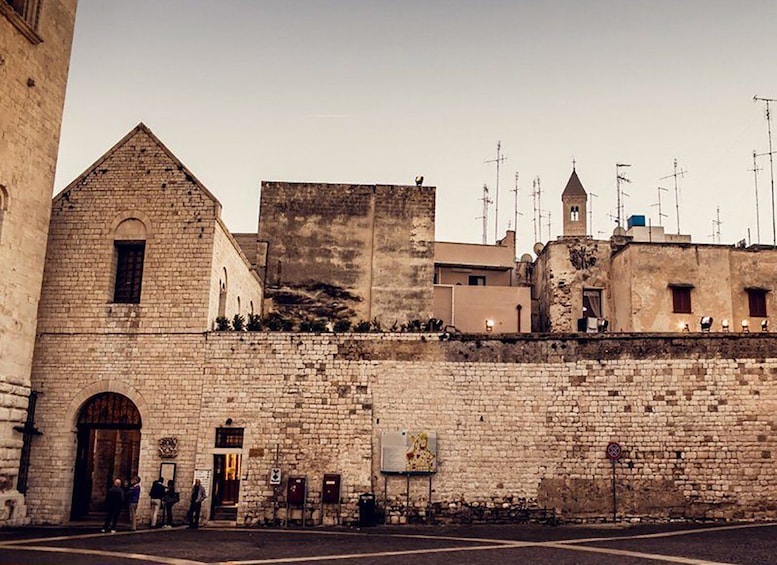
(574, 201)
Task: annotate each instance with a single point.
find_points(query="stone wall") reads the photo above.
(33, 75)
(522, 422)
(373, 242)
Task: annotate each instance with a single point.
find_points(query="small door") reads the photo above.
(226, 481)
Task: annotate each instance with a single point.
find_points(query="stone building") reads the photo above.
(356, 252)
(645, 280)
(139, 265)
(35, 41)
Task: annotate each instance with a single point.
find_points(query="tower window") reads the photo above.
(574, 213)
(129, 271)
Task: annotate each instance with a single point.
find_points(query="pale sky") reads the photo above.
(378, 91)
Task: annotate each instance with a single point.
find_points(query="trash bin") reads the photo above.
(367, 517)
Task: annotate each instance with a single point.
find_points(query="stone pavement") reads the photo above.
(711, 544)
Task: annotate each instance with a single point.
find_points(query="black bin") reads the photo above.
(367, 514)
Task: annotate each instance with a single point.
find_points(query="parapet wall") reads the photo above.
(522, 422)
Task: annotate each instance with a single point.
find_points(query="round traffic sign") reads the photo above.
(613, 451)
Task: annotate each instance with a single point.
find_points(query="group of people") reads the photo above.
(161, 497)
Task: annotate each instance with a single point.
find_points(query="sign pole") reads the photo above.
(614, 497)
(614, 453)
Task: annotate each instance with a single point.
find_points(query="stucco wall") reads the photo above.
(520, 421)
(373, 241)
(468, 307)
(33, 78)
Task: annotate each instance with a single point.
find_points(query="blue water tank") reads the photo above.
(635, 221)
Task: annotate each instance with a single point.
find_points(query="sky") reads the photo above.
(378, 92)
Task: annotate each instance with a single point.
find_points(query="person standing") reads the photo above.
(156, 494)
(114, 502)
(170, 499)
(134, 498)
(198, 495)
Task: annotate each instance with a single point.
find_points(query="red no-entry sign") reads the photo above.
(613, 451)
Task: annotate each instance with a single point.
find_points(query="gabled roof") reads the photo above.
(574, 186)
(141, 127)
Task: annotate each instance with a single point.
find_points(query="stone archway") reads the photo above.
(108, 427)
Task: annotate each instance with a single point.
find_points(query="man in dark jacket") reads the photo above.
(114, 502)
(157, 494)
(198, 495)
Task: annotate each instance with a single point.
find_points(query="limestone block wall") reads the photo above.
(161, 374)
(244, 292)
(522, 422)
(140, 179)
(33, 77)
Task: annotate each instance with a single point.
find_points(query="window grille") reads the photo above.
(229, 437)
(129, 272)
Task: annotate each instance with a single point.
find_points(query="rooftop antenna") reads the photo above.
(516, 213)
(755, 170)
(550, 236)
(537, 213)
(591, 196)
(499, 160)
(771, 161)
(716, 226)
(619, 178)
(661, 215)
(675, 174)
(486, 201)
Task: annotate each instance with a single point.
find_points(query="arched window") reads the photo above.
(129, 251)
(3, 207)
(223, 295)
(574, 213)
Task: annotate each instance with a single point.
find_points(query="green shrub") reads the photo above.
(222, 324)
(238, 322)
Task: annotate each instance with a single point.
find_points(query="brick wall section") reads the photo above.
(375, 241)
(243, 284)
(138, 178)
(522, 422)
(32, 90)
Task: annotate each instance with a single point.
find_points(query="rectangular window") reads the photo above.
(477, 280)
(681, 299)
(592, 303)
(229, 437)
(129, 272)
(756, 298)
(24, 15)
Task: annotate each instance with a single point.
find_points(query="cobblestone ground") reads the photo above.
(715, 544)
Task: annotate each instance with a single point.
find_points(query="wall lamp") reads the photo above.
(489, 325)
(684, 327)
(705, 323)
(745, 326)
(764, 325)
(724, 325)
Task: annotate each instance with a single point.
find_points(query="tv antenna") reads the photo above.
(537, 212)
(619, 178)
(771, 160)
(660, 214)
(486, 201)
(591, 196)
(755, 170)
(675, 174)
(516, 213)
(499, 160)
(716, 226)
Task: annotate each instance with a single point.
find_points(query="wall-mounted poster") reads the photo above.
(409, 452)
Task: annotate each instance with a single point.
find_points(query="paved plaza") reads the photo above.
(711, 544)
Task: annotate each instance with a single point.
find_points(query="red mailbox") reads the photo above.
(295, 491)
(331, 489)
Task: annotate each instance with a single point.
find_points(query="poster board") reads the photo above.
(409, 452)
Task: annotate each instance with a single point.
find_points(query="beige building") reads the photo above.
(477, 287)
(139, 265)
(645, 280)
(35, 41)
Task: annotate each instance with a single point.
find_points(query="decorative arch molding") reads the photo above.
(3, 198)
(131, 215)
(107, 385)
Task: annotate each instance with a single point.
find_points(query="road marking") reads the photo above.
(638, 554)
(79, 536)
(116, 554)
(675, 533)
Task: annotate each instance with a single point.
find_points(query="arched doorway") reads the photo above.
(108, 447)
